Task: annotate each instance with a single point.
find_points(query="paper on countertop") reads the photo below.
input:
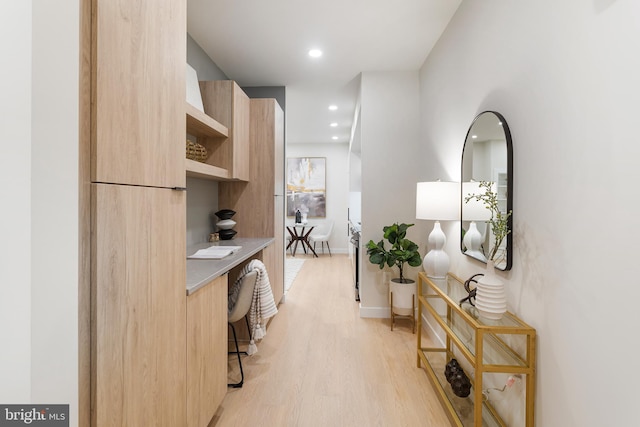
(214, 252)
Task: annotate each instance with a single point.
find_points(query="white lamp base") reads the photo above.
(473, 242)
(436, 261)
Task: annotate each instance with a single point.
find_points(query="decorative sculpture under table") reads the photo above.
(460, 383)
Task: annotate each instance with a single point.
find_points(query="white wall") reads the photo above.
(337, 186)
(39, 301)
(389, 126)
(15, 193)
(565, 76)
(54, 210)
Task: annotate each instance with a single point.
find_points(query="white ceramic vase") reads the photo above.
(491, 298)
(226, 224)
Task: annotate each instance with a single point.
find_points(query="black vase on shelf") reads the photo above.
(225, 213)
(227, 234)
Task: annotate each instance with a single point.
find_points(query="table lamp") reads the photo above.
(437, 201)
(474, 210)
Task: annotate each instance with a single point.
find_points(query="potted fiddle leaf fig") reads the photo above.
(401, 251)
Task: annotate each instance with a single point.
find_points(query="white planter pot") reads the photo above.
(402, 295)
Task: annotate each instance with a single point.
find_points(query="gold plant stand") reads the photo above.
(403, 316)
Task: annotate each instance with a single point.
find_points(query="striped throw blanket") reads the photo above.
(263, 305)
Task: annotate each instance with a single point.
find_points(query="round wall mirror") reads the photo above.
(487, 191)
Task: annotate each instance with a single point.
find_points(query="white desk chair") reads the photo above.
(322, 233)
(240, 310)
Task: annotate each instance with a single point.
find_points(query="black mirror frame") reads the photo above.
(509, 143)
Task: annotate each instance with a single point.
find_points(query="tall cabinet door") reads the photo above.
(138, 306)
(138, 92)
(279, 199)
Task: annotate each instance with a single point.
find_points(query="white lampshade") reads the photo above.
(438, 200)
(473, 210)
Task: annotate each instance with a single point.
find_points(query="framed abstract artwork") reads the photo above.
(306, 186)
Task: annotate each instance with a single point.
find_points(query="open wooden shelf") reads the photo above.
(200, 124)
(202, 170)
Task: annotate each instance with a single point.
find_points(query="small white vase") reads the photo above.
(491, 298)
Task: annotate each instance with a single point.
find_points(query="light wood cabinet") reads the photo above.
(259, 204)
(207, 333)
(158, 357)
(138, 92)
(227, 103)
(138, 222)
(138, 334)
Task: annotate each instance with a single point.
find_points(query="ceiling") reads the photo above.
(266, 43)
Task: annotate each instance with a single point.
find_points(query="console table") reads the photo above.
(490, 351)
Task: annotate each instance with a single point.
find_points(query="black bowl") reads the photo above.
(227, 234)
(225, 213)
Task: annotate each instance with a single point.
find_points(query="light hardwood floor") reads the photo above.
(322, 365)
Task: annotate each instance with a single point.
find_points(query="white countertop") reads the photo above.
(202, 271)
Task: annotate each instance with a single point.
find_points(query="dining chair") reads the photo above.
(322, 233)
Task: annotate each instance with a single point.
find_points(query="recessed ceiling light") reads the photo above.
(315, 53)
(334, 124)
(474, 136)
(333, 107)
(334, 137)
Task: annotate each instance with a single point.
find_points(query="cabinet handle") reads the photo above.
(179, 188)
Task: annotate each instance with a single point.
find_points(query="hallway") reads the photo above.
(322, 365)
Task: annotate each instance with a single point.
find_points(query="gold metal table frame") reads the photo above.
(506, 346)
